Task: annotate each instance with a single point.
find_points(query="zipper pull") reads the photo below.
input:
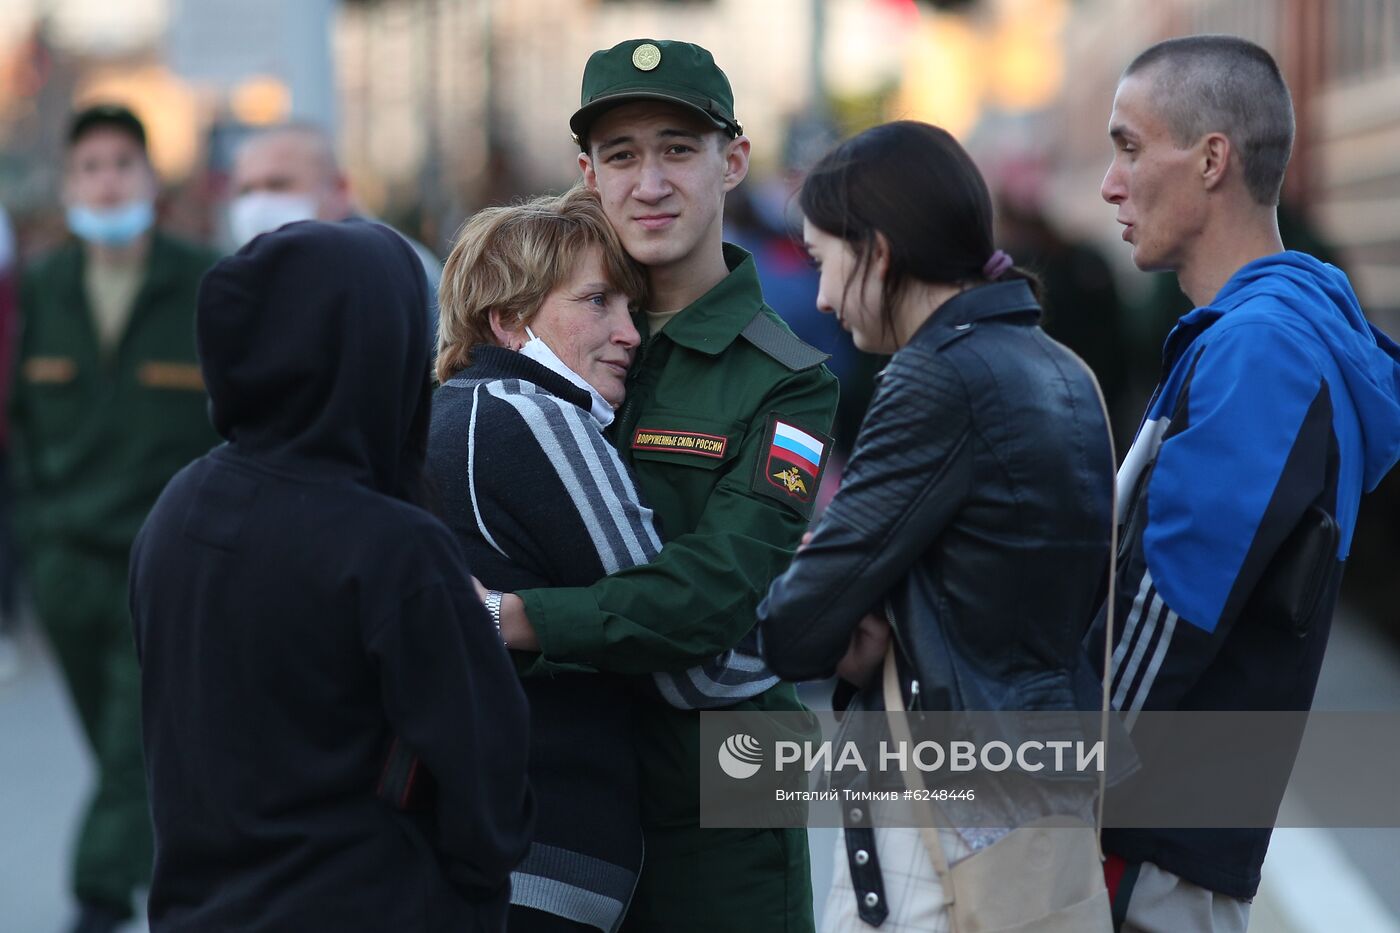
(913, 694)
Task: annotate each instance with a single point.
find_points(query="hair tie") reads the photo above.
(996, 267)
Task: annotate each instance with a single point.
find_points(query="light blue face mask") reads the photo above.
(116, 226)
(539, 351)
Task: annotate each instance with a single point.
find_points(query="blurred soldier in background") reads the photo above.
(107, 405)
(1082, 308)
(9, 650)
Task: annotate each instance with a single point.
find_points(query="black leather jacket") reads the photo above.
(977, 503)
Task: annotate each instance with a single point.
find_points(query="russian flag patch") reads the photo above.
(792, 464)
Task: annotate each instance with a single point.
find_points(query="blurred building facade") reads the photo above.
(440, 106)
(467, 101)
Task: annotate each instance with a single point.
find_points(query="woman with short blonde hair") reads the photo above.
(509, 258)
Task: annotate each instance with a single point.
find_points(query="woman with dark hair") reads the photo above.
(974, 514)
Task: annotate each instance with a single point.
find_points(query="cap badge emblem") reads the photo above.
(646, 56)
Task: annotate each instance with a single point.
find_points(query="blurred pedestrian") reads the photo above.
(287, 173)
(975, 511)
(719, 379)
(1279, 407)
(297, 612)
(758, 221)
(107, 405)
(9, 646)
(1082, 307)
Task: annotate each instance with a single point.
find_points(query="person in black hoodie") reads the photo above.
(296, 611)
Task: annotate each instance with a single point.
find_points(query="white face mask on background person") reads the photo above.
(114, 226)
(539, 351)
(262, 211)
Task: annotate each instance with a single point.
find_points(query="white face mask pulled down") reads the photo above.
(261, 211)
(539, 351)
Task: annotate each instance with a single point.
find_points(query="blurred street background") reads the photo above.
(440, 107)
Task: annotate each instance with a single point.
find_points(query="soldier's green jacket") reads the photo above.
(96, 437)
(696, 429)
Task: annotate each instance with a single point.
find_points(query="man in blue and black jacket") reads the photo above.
(1279, 405)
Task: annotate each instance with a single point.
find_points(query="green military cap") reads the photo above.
(655, 69)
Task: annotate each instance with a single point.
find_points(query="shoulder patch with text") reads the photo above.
(791, 463)
(681, 442)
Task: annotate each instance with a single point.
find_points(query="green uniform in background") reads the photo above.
(698, 426)
(97, 434)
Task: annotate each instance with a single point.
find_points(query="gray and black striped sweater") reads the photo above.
(523, 476)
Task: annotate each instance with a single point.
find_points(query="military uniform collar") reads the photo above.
(160, 275)
(710, 323)
(161, 269)
(162, 265)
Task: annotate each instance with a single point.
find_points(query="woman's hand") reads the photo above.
(516, 630)
(864, 654)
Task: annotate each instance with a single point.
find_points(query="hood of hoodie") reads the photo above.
(1323, 301)
(313, 345)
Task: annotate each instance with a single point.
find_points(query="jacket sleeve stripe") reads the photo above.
(1145, 687)
(623, 518)
(581, 486)
(1130, 631)
(1130, 671)
(624, 492)
(715, 689)
(722, 681)
(471, 476)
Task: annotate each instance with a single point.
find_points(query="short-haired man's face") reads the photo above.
(288, 164)
(1155, 184)
(106, 169)
(661, 173)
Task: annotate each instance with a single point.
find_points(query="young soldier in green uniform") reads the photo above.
(718, 399)
(108, 404)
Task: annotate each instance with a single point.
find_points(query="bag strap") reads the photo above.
(899, 730)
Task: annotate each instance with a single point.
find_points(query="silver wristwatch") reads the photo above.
(493, 606)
